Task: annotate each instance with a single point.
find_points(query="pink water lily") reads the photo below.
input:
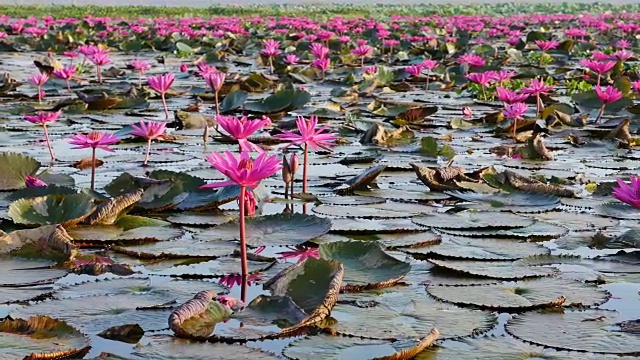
(149, 130)
(607, 96)
(94, 140)
(598, 67)
(362, 51)
(38, 80)
(515, 112)
(162, 84)
(509, 96)
(43, 118)
(246, 173)
(100, 59)
(230, 302)
(140, 66)
(483, 79)
(65, 74)
(270, 49)
(537, 87)
(32, 181)
(628, 194)
(310, 137)
(242, 128)
(301, 253)
(232, 280)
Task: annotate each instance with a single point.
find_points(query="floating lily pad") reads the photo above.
(109, 234)
(32, 192)
(14, 168)
(494, 269)
(479, 249)
(365, 226)
(499, 347)
(273, 230)
(366, 264)
(577, 221)
(472, 220)
(351, 200)
(522, 295)
(51, 209)
(17, 271)
(41, 337)
(425, 238)
(340, 347)
(200, 219)
(201, 269)
(401, 194)
(618, 210)
(409, 317)
(379, 211)
(594, 331)
(181, 248)
(170, 348)
(523, 202)
(539, 230)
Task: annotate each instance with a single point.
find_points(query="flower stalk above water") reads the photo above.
(43, 118)
(149, 130)
(161, 84)
(94, 140)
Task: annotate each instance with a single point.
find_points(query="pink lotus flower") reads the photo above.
(503, 76)
(628, 194)
(391, 43)
(214, 80)
(94, 140)
(319, 51)
(600, 56)
(322, 64)
(291, 59)
(242, 128)
(149, 130)
(246, 173)
(471, 60)
(623, 44)
(467, 112)
(310, 137)
(483, 79)
(140, 66)
(230, 302)
(32, 181)
(515, 112)
(546, 45)
(622, 55)
(598, 67)
(429, 64)
(537, 87)
(362, 51)
(607, 96)
(184, 68)
(66, 74)
(38, 80)
(250, 203)
(414, 70)
(161, 84)
(509, 96)
(232, 280)
(302, 253)
(100, 59)
(270, 49)
(636, 86)
(43, 118)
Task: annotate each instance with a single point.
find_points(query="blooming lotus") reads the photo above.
(628, 194)
(94, 140)
(509, 96)
(149, 130)
(43, 118)
(140, 66)
(100, 59)
(270, 49)
(483, 79)
(246, 173)
(607, 96)
(515, 112)
(32, 181)
(322, 64)
(319, 51)
(38, 80)
(362, 51)
(242, 128)
(300, 252)
(310, 137)
(598, 67)
(291, 59)
(537, 87)
(161, 84)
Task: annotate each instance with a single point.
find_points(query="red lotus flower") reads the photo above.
(628, 194)
(242, 170)
(140, 66)
(242, 128)
(65, 74)
(509, 96)
(232, 280)
(149, 130)
(32, 181)
(607, 96)
(537, 87)
(515, 112)
(162, 84)
(94, 140)
(546, 45)
(302, 253)
(38, 80)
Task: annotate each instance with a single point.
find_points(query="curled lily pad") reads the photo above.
(14, 168)
(274, 230)
(198, 317)
(362, 180)
(472, 220)
(366, 265)
(109, 211)
(41, 337)
(523, 202)
(479, 249)
(52, 209)
(341, 347)
(522, 295)
(596, 331)
(46, 242)
(494, 269)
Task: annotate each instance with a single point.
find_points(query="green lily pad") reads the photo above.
(175, 289)
(376, 211)
(503, 270)
(618, 210)
(50, 242)
(273, 230)
(472, 220)
(170, 348)
(113, 234)
(233, 101)
(52, 209)
(478, 249)
(577, 221)
(365, 226)
(523, 202)
(199, 269)
(41, 337)
(284, 100)
(180, 248)
(32, 192)
(522, 295)
(594, 331)
(366, 264)
(540, 230)
(351, 200)
(17, 271)
(14, 168)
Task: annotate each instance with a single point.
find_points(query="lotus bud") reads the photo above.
(250, 203)
(287, 176)
(467, 112)
(184, 68)
(32, 181)
(294, 163)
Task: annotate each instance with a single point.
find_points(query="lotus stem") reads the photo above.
(146, 157)
(46, 136)
(390, 53)
(600, 113)
(39, 94)
(426, 87)
(271, 64)
(305, 168)
(99, 74)
(139, 79)
(541, 58)
(484, 93)
(515, 128)
(286, 190)
(243, 246)
(362, 62)
(68, 85)
(217, 104)
(164, 104)
(598, 79)
(93, 168)
(538, 105)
